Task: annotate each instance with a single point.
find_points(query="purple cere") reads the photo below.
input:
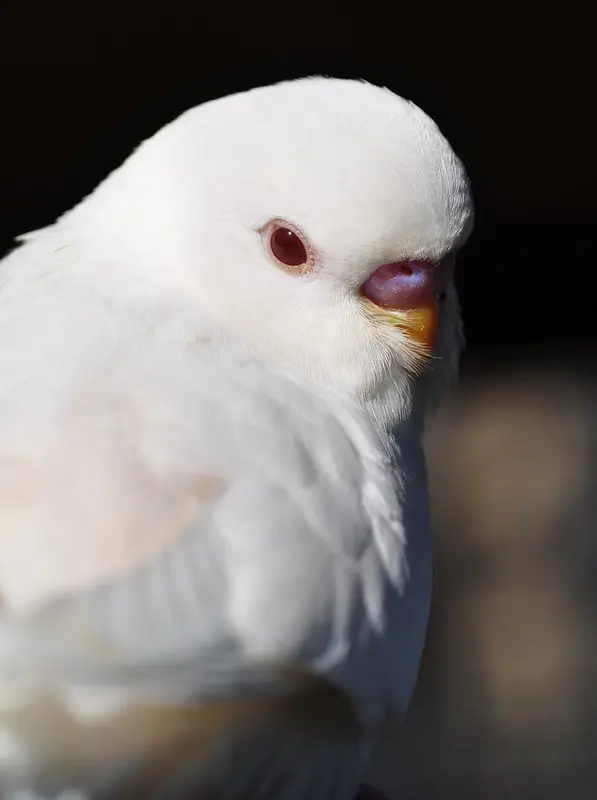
(404, 285)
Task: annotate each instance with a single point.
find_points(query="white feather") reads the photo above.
(211, 476)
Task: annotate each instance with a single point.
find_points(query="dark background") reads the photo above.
(507, 702)
(511, 87)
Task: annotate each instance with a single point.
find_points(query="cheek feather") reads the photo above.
(397, 336)
(420, 324)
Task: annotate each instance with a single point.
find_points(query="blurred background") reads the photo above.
(506, 705)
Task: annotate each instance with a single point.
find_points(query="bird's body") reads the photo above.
(215, 551)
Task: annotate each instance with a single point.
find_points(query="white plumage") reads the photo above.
(215, 558)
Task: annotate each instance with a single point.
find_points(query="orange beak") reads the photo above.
(407, 294)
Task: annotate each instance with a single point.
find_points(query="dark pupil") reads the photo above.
(288, 248)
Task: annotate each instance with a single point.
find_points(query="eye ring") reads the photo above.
(293, 241)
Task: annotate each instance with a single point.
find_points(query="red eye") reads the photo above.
(287, 247)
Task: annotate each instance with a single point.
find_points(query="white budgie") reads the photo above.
(215, 551)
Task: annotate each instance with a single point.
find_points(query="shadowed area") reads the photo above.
(506, 704)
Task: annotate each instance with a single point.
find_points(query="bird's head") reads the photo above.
(318, 220)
